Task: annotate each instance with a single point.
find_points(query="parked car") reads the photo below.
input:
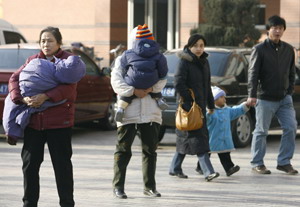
(9, 34)
(95, 97)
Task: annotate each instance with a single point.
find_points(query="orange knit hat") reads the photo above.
(143, 33)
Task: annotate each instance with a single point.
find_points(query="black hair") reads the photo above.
(54, 31)
(194, 39)
(275, 21)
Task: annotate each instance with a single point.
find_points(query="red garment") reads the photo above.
(60, 116)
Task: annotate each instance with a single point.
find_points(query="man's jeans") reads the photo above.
(204, 161)
(285, 113)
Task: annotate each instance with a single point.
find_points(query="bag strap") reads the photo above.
(193, 97)
(192, 94)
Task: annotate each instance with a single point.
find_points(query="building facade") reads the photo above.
(104, 24)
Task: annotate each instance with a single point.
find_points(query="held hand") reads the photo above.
(251, 101)
(140, 93)
(37, 100)
(26, 100)
(210, 111)
(247, 104)
(149, 90)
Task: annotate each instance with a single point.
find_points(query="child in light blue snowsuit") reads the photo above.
(219, 127)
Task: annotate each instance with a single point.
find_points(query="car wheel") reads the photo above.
(109, 123)
(242, 129)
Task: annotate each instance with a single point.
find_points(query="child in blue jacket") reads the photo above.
(219, 127)
(143, 67)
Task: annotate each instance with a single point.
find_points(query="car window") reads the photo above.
(297, 77)
(242, 70)
(240, 67)
(247, 56)
(14, 58)
(91, 68)
(172, 61)
(217, 62)
(232, 66)
(13, 37)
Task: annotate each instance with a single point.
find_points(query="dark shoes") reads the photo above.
(233, 170)
(180, 175)
(261, 170)
(198, 170)
(288, 169)
(285, 168)
(152, 193)
(119, 193)
(212, 176)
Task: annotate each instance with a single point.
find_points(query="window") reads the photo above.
(247, 56)
(232, 65)
(14, 58)
(217, 62)
(13, 37)
(160, 22)
(260, 21)
(139, 12)
(155, 13)
(91, 68)
(172, 61)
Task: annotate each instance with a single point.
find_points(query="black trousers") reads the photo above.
(60, 148)
(149, 139)
(225, 160)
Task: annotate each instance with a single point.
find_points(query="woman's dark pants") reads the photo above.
(59, 145)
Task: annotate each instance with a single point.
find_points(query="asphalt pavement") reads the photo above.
(93, 171)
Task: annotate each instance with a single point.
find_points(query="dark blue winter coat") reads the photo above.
(144, 65)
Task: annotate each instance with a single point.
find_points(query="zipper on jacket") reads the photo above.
(278, 66)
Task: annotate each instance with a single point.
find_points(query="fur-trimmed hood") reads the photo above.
(186, 54)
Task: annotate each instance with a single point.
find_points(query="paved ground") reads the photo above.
(93, 162)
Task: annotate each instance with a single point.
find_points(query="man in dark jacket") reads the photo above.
(270, 87)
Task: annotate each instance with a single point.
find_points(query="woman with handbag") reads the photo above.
(193, 78)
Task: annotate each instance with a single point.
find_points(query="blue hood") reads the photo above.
(145, 48)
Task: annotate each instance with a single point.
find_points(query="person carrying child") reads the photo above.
(39, 76)
(143, 67)
(218, 124)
